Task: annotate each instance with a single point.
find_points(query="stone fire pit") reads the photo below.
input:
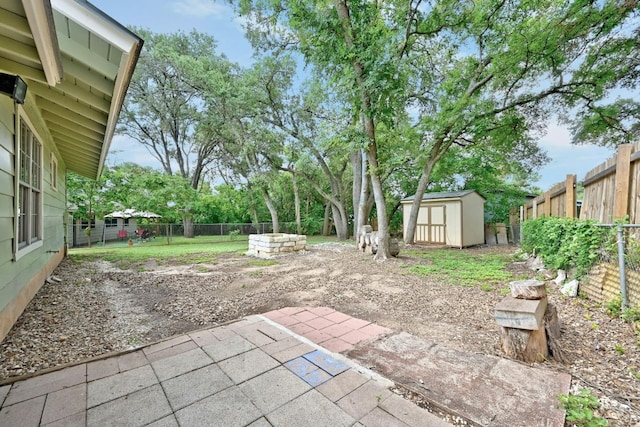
(273, 244)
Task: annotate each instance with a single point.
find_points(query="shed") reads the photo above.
(453, 218)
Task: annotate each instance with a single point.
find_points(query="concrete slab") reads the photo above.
(364, 399)
(26, 413)
(115, 386)
(227, 348)
(409, 413)
(75, 420)
(326, 362)
(380, 418)
(169, 421)
(4, 390)
(133, 360)
(136, 409)
(102, 368)
(248, 365)
(195, 385)
(64, 403)
(341, 385)
(181, 363)
(311, 409)
(46, 383)
(485, 389)
(273, 389)
(229, 408)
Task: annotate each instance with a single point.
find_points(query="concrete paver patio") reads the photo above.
(253, 372)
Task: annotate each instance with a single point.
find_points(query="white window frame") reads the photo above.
(34, 226)
(53, 171)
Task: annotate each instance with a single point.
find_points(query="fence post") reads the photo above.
(621, 266)
(623, 174)
(570, 188)
(547, 204)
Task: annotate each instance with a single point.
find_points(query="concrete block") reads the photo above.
(248, 365)
(520, 313)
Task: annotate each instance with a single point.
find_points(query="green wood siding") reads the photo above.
(15, 275)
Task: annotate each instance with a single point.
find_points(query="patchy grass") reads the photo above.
(262, 262)
(462, 268)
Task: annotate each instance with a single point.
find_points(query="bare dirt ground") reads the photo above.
(98, 307)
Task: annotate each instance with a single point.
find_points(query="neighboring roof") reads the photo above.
(444, 195)
(77, 63)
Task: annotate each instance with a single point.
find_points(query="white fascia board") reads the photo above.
(40, 18)
(95, 23)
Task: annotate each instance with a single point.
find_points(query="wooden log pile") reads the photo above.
(369, 240)
(529, 327)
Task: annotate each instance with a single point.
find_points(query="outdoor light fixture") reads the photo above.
(13, 86)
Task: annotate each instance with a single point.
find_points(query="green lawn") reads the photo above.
(189, 251)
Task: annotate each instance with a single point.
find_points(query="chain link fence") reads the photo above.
(616, 271)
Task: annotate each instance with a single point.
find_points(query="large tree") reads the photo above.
(468, 74)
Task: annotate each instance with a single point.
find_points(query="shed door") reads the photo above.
(430, 227)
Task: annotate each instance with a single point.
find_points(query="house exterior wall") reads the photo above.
(22, 276)
(100, 232)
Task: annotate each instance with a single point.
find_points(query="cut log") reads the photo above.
(528, 289)
(552, 328)
(394, 247)
(527, 346)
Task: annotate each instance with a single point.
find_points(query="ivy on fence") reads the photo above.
(564, 243)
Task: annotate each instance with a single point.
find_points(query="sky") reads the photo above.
(217, 19)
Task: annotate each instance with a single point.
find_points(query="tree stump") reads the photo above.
(520, 315)
(521, 344)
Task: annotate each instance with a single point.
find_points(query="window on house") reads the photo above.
(53, 172)
(111, 222)
(29, 189)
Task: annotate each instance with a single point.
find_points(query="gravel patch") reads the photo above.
(98, 308)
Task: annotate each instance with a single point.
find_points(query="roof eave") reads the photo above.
(40, 15)
(125, 74)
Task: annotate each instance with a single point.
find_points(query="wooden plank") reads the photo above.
(570, 200)
(623, 170)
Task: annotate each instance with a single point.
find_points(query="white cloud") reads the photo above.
(199, 8)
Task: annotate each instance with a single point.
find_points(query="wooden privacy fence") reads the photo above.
(610, 192)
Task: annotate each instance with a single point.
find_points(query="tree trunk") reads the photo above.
(369, 129)
(341, 221)
(417, 201)
(363, 207)
(326, 227)
(272, 210)
(253, 211)
(356, 163)
(189, 229)
(378, 193)
(296, 200)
